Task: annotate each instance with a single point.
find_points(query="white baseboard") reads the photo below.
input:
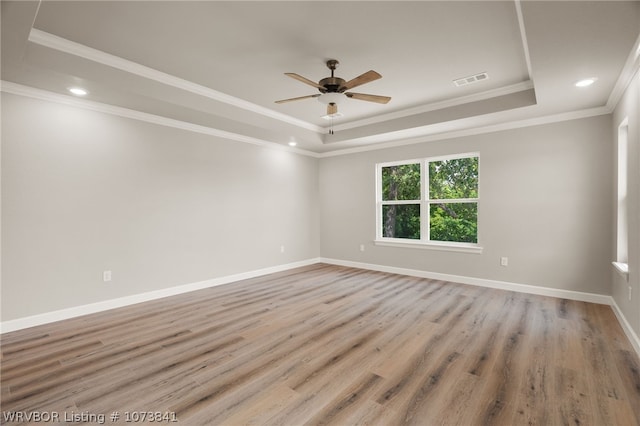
(503, 285)
(49, 317)
(481, 282)
(626, 327)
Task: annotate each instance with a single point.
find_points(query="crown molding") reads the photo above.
(439, 131)
(51, 41)
(630, 69)
(61, 44)
(474, 130)
(488, 94)
(523, 37)
(26, 91)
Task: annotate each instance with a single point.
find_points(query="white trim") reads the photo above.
(61, 44)
(27, 91)
(399, 163)
(435, 106)
(523, 37)
(49, 317)
(626, 327)
(454, 156)
(622, 268)
(452, 200)
(480, 282)
(503, 285)
(67, 46)
(400, 202)
(393, 139)
(425, 203)
(630, 69)
(429, 245)
(76, 311)
(425, 207)
(400, 140)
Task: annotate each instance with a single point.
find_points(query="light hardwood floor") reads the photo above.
(333, 345)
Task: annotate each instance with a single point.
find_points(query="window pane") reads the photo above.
(401, 221)
(456, 178)
(454, 222)
(401, 182)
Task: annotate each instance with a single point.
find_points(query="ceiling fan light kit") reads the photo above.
(333, 90)
(331, 98)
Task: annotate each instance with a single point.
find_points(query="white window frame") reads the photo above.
(424, 242)
(622, 228)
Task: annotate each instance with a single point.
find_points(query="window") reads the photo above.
(431, 201)
(622, 239)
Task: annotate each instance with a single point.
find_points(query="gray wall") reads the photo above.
(629, 106)
(545, 196)
(84, 192)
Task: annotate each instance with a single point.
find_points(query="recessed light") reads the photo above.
(586, 82)
(292, 143)
(78, 91)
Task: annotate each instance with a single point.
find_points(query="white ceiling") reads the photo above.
(219, 66)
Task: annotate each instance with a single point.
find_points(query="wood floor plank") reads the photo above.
(456, 400)
(575, 406)
(536, 390)
(332, 345)
(269, 402)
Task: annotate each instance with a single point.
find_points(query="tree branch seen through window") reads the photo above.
(447, 208)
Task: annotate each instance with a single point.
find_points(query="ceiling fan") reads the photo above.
(333, 89)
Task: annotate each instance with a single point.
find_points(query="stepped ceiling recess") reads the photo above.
(218, 67)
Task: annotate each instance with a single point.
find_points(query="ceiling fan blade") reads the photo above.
(371, 98)
(367, 77)
(282, 101)
(304, 80)
(332, 109)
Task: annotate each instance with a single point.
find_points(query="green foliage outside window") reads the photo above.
(452, 205)
(450, 179)
(454, 222)
(401, 182)
(402, 221)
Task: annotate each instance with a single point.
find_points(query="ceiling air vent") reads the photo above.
(471, 79)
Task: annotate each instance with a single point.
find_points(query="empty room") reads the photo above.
(320, 212)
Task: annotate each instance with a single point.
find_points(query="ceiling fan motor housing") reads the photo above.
(331, 84)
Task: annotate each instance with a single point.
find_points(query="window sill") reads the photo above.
(432, 245)
(622, 268)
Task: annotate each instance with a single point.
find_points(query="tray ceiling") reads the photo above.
(220, 65)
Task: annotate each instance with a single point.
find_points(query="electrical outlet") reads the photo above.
(281, 249)
(361, 247)
(504, 261)
(106, 276)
